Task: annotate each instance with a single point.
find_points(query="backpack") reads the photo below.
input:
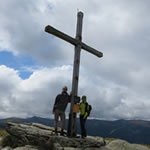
(88, 110)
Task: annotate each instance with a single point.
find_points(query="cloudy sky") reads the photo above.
(34, 65)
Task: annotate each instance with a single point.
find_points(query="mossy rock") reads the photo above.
(10, 141)
(3, 133)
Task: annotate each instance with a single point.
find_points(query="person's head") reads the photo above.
(64, 89)
(84, 99)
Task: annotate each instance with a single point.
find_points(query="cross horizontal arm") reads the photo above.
(72, 40)
(91, 50)
(60, 34)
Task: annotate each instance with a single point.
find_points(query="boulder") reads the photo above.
(1, 142)
(27, 147)
(123, 145)
(44, 137)
(34, 136)
(7, 148)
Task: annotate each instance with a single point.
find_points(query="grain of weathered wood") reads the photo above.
(72, 40)
(75, 79)
(61, 35)
(91, 50)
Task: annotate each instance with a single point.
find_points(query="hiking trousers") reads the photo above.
(82, 125)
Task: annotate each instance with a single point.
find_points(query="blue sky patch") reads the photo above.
(17, 62)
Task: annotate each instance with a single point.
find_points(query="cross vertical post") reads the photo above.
(75, 79)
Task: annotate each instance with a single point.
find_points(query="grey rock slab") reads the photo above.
(124, 145)
(77, 142)
(27, 147)
(1, 141)
(42, 136)
(101, 148)
(7, 148)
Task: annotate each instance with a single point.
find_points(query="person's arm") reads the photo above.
(56, 100)
(86, 111)
(85, 115)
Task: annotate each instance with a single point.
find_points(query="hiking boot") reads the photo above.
(62, 133)
(83, 137)
(56, 133)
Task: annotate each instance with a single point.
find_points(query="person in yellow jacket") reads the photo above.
(83, 116)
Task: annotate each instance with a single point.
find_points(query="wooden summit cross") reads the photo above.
(77, 42)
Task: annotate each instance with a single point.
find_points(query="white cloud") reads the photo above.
(118, 82)
(36, 95)
(33, 96)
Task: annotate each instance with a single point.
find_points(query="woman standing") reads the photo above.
(83, 116)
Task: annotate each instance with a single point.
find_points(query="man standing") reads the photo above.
(59, 108)
(83, 116)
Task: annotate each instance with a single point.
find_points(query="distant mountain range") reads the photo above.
(133, 131)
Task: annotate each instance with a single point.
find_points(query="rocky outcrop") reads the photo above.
(40, 137)
(43, 137)
(123, 145)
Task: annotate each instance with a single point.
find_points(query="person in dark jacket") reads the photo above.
(59, 108)
(83, 116)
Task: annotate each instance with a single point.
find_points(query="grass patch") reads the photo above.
(146, 145)
(3, 133)
(110, 139)
(7, 139)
